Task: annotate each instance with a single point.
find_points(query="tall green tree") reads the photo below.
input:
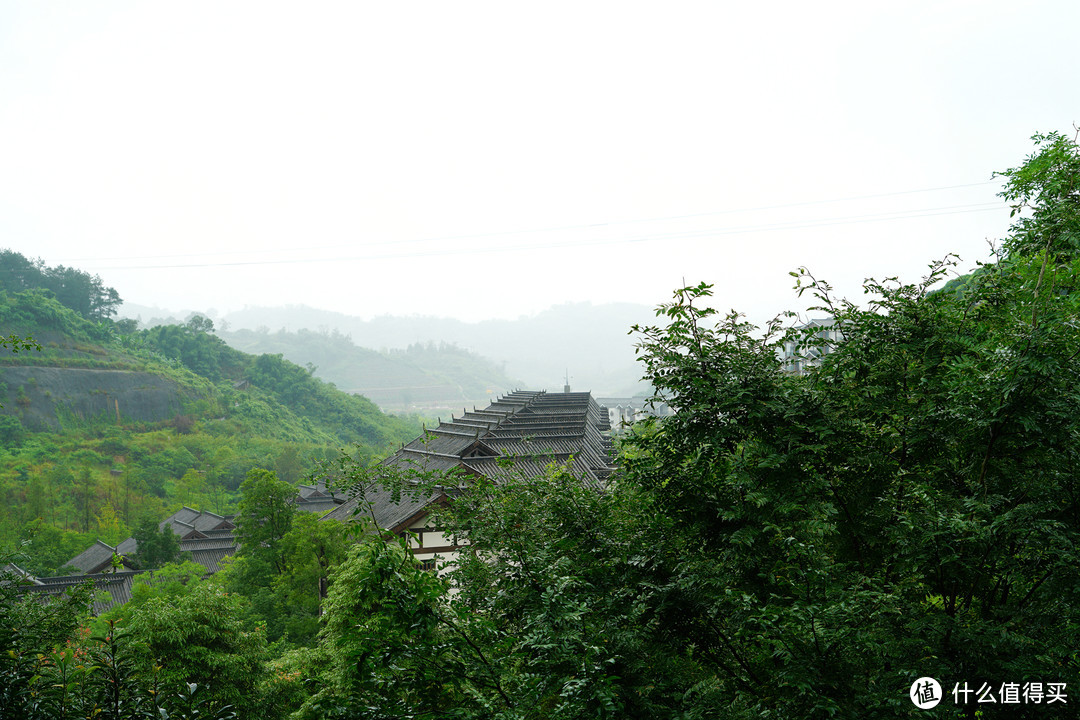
(156, 547)
(263, 521)
(290, 602)
(202, 638)
(73, 288)
(312, 549)
(265, 516)
(385, 647)
(1044, 194)
(552, 600)
(909, 508)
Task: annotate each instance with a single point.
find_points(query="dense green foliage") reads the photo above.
(285, 558)
(311, 550)
(37, 311)
(72, 288)
(55, 667)
(1044, 194)
(265, 514)
(383, 645)
(200, 638)
(29, 629)
(156, 547)
(908, 509)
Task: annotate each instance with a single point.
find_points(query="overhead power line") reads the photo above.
(511, 233)
(581, 242)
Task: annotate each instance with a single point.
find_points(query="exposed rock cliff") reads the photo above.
(40, 395)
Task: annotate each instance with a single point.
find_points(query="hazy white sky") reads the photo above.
(492, 159)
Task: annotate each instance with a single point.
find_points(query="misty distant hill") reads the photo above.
(590, 341)
(425, 377)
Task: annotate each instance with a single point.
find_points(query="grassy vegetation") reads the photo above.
(87, 454)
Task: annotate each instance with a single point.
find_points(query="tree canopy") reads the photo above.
(75, 289)
(265, 517)
(155, 547)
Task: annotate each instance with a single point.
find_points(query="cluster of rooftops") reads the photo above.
(517, 435)
(205, 538)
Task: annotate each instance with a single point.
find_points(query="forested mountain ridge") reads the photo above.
(421, 360)
(425, 377)
(104, 425)
(590, 342)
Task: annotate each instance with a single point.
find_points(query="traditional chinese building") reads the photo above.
(205, 538)
(518, 435)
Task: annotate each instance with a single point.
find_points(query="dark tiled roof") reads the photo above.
(128, 547)
(529, 429)
(211, 558)
(180, 528)
(317, 505)
(111, 589)
(342, 512)
(186, 523)
(208, 544)
(443, 443)
(318, 493)
(211, 521)
(184, 515)
(186, 519)
(97, 557)
(387, 512)
(12, 573)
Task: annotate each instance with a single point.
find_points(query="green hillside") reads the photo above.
(105, 425)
